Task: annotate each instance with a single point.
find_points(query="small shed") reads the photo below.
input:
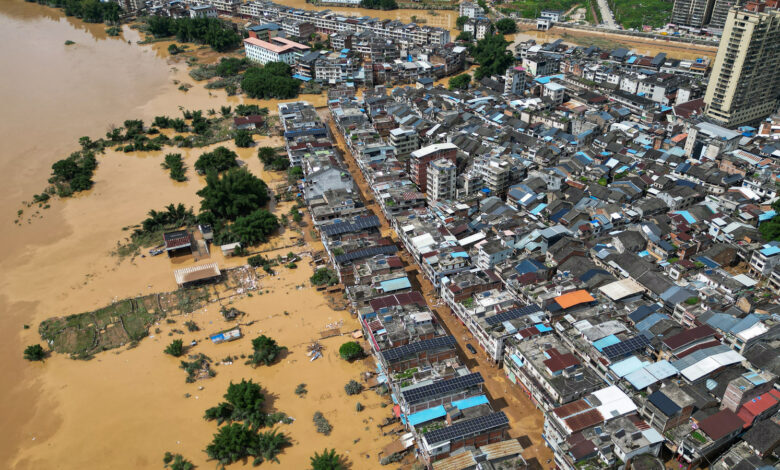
(197, 274)
(226, 335)
(230, 248)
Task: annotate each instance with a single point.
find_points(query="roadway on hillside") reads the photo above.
(525, 420)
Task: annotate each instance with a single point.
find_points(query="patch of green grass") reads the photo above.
(634, 14)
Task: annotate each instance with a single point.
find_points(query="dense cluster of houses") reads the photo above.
(605, 256)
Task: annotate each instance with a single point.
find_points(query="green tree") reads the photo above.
(234, 442)
(492, 55)
(175, 165)
(460, 82)
(274, 80)
(265, 351)
(465, 36)
(231, 66)
(351, 350)
(267, 154)
(34, 352)
(323, 277)
(460, 21)
(176, 348)
(327, 460)
(177, 462)
(218, 160)
(243, 138)
(244, 402)
(237, 193)
(255, 227)
(506, 26)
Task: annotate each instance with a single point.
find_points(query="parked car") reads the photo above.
(471, 348)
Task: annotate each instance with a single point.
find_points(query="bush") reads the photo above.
(323, 426)
(300, 390)
(34, 352)
(351, 350)
(257, 261)
(235, 442)
(353, 388)
(324, 277)
(254, 228)
(191, 326)
(244, 402)
(359, 407)
(176, 348)
(465, 36)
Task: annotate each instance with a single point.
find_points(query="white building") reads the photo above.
(478, 27)
(203, 11)
(554, 91)
(472, 10)
(514, 81)
(553, 15)
(404, 141)
(274, 50)
(441, 181)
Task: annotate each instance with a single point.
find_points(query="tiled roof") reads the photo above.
(720, 424)
(688, 336)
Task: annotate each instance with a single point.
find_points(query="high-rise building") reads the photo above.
(441, 180)
(419, 160)
(745, 83)
(694, 13)
(720, 11)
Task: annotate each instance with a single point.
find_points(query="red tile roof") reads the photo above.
(587, 419)
(688, 336)
(572, 408)
(560, 362)
(720, 424)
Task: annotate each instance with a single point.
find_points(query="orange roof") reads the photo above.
(574, 298)
(679, 137)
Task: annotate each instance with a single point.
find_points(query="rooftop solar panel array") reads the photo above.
(400, 352)
(442, 387)
(366, 253)
(471, 427)
(626, 347)
(359, 223)
(512, 314)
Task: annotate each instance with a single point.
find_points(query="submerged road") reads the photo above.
(525, 420)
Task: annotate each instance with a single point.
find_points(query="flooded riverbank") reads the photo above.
(125, 410)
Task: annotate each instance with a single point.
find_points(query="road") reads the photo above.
(606, 15)
(525, 420)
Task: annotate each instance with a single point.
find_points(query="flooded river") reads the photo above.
(125, 409)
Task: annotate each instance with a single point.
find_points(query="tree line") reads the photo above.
(90, 11)
(211, 31)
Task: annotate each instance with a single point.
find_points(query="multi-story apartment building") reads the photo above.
(765, 259)
(441, 181)
(274, 50)
(514, 80)
(404, 141)
(420, 159)
(745, 83)
(203, 11)
(472, 10)
(226, 7)
(478, 27)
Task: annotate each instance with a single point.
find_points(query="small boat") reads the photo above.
(155, 252)
(315, 357)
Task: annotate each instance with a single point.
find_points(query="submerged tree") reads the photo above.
(265, 351)
(34, 352)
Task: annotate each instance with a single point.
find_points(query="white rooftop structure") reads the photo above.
(621, 289)
(614, 402)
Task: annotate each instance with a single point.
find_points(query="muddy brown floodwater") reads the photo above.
(124, 409)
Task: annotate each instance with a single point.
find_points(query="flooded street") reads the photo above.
(124, 409)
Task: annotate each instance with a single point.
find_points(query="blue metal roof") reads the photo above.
(395, 284)
(538, 209)
(687, 216)
(606, 341)
(529, 266)
(642, 312)
(542, 327)
(651, 320)
(626, 366)
(470, 402)
(427, 415)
